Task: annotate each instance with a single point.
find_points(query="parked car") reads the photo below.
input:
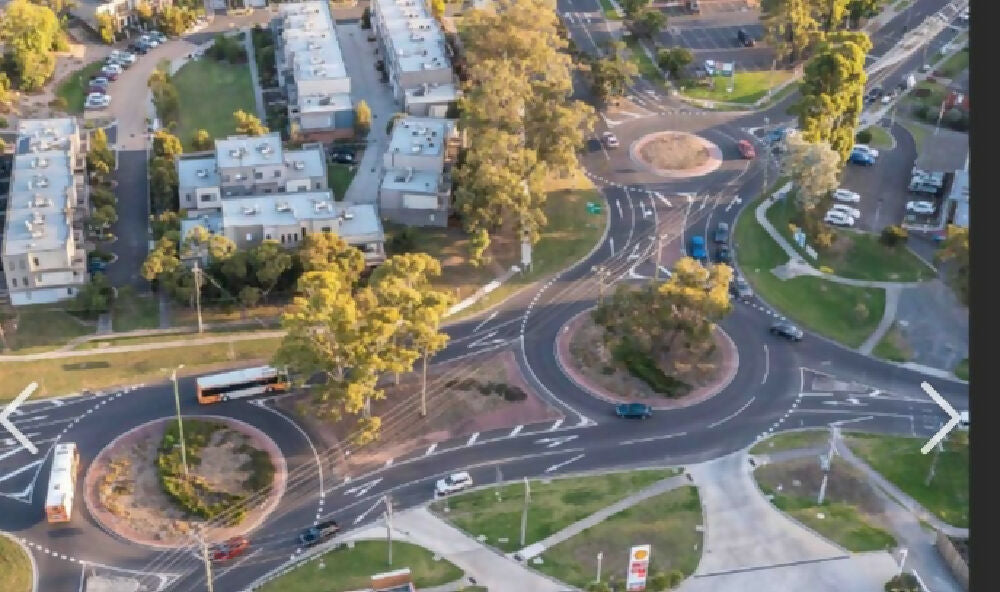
(846, 195)
(342, 157)
(920, 207)
(852, 212)
(138, 47)
(866, 149)
(100, 88)
(97, 101)
(125, 56)
(453, 483)
(746, 149)
(96, 265)
(744, 39)
(158, 36)
(721, 233)
(229, 549)
(710, 67)
(696, 248)
(320, 533)
(776, 135)
(741, 289)
(610, 140)
(873, 94)
(787, 330)
(116, 68)
(862, 158)
(723, 255)
(149, 40)
(836, 218)
(633, 410)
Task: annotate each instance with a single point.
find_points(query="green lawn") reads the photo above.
(962, 370)
(666, 522)
(791, 441)
(844, 525)
(933, 93)
(748, 88)
(346, 569)
(15, 567)
(819, 305)
(554, 505)
(210, 92)
(881, 138)
(131, 311)
(609, 11)
(99, 371)
(900, 461)
(113, 341)
(856, 255)
(918, 130)
(647, 69)
(73, 88)
(43, 327)
(339, 177)
(893, 346)
(954, 65)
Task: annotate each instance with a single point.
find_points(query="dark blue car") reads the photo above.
(320, 533)
(776, 135)
(861, 157)
(633, 410)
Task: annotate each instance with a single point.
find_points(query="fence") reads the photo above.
(958, 566)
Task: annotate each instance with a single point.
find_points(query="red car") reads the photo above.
(229, 549)
(746, 149)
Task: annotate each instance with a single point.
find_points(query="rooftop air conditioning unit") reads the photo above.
(299, 165)
(347, 215)
(415, 149)
(202, 173)
(283, 206)
(248, 210)
(39, 163)
(235, 153)
(322, 206)
(41, 182)
(265, 148)
(37, 218)
(40, 201)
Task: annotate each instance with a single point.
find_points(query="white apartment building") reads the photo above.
(416, 182)
(44, 260)
(311, 67)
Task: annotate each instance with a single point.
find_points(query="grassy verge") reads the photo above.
(962, 370)
(954, 65)
(346, 569)
(791, 441)
(339, 177)
(819, 305)
(917, 130)
(73, 88)
(496, 512)
(131, 311)
(847, 514)
(856, 255)
(185, 316)
(209, 93)
(183, 336)
(893, 346)
(15, 567)
(748, 87)
(609, 11)
(900, 461)
(647, 69)
(926, 93)
(667, 522)
(881, 138)
(99, 371)
(43, 327)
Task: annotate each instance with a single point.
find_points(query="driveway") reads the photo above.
(934, 324)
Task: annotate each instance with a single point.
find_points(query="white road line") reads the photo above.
(611, 242)
(515, 431)
(431, 449)
(767, 364)
(654, 438)
(364, 514)
(558, 466)
(472, 439)
(618, 204)
(734, 414)
(388, 463)
(488, 319)
(665, 201)
(556, 425)
(26, 467)
(235, 565)
(815, 394)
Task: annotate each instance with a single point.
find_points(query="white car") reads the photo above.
(97, 101)
(149, 40)
(920, 207)
(710, 67)
(610, 140)
(852, 212)
(866, 149)
(846, 195)
(963, 418)
(453, 483)
(112, 68)
(123, 57)
(887, 98)
(835, 218)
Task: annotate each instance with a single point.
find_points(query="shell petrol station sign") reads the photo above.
(638, 567)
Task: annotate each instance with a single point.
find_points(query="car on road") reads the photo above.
(342, 157)
(846, 195)
(741, 288)
(925, 68)
(889, 96)
(710, 67)
(139, 48)
(920, 207)
(723, 255)
(866, 149)
(97, 101)
(696, 248)
(721, 233)
(744, 39)
(453, 483)
(610, 140)
(776, 135)
(787, 330)
(746, 149)
(320, 533)
(633, 410)
(861, 157)
(873, 94)
(229, 549)
(836, 218)
(852, 212)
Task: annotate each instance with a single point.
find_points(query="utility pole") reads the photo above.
(600, 555)
(197, 293)
(180, 424)
(388, 524)
(524, 512)
(659, 254)
(208, 563)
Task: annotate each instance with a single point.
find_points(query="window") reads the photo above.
(317, 184)
(326, 229)
(303, 233)
(206, 197)
(250, 237)
(266, 237)
(258, 174)
(24, 280)
(187, 197)
(282, 239)
(34, 261)
(277, 174)
(225, 178)
(267, 190)
(69, 291)
(76, 274)
(13, 282)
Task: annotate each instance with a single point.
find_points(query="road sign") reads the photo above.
(593, 207)
(638, 566)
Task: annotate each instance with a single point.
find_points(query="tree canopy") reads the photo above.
(30, 32)
(814, 169)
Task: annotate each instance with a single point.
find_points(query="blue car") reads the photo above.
(776, 135)
(633, 410)
(696, 249)
(861, 157)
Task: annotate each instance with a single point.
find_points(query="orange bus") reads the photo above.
(249, 382)
(62, 482)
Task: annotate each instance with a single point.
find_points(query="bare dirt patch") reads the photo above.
(674, 151)
(456, 406)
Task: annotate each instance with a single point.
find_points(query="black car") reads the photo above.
(744, 39)
(721, 233)
(320, 533)
(787, 330)
(724, 255)
(138, 48)
(874, 94)
(342, 157)
(741, 289)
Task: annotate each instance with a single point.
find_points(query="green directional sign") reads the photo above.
(593, 207)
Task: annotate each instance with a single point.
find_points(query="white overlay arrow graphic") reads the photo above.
(933, 394)
(9, 425)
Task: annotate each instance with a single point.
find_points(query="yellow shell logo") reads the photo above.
(640, 554)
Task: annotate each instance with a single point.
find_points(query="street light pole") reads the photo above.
(902, 560)
(600, 555)
(180, 424)
(524, 512)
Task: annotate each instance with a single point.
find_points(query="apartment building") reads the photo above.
(413, 49)
(311, 68)
(122, 12)
(44, 260)
(416, 184)
(430, 100)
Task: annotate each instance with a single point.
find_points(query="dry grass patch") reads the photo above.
(674, 151)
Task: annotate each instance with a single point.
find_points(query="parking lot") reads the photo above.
(710, 40)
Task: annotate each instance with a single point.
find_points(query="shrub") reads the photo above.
(514, 394)
(861, 312)
(864, 136)
(404, 241)
(893, 236)
(643, 367)
(4, 122)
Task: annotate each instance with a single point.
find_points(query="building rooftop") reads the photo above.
(286, 209)
(45, 134)
(945, 151)
(197, 172)
(211, 221)
(306, 163)
(319, 103)
(37, 218)
(411, 181)
(433, 93)
(420, 135)
(310, 44)
(414, 36)
(243, 151)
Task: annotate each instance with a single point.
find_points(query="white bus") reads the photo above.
(249, 382)
(62, 482)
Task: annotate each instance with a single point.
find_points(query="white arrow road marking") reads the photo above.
(361, 490)
(487, 340)
(611, 243)
(515, 431)
(558, 466)
(558, 441)
(9, 426)
(23, 469)
(556, 425)
(665, 201)
(368, 511)
(635, 253)
(488, 319)
(645, 212)
(736, 201)
(618, 204)
(472, 439)
(952, 414)
(431, 449)
(666, 272)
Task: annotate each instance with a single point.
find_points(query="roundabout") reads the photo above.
(676, 155)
